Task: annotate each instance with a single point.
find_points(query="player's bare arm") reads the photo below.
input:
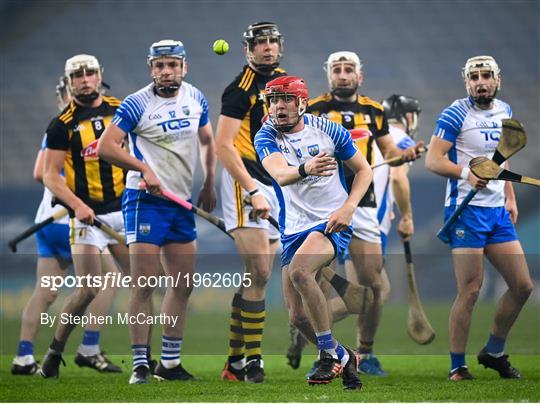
(110, 148)
(52, 178)
(341, 218)
(402, 195)
(207, 195)
(227, 130)
(38, 166)
(510, 203)
(322, 165)
(438, 162)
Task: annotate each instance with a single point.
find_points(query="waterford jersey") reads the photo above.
(45, 209)
(363, 113)
(163, 132)
(77, 130)
(243, 100)
(313, 199)
(473, 132)
(381, 179)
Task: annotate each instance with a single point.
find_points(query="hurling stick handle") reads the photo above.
(443, 232)
(106, 229)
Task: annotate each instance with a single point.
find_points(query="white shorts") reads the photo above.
(80, 233)
(366, 225)
(236, 214)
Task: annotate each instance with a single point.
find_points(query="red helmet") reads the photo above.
(287, 85)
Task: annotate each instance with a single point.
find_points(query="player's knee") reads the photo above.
(260, 276)
(524, 290)
(470, 296)
(86, 295)
(49, 297)
(142, 292)
(299, 276)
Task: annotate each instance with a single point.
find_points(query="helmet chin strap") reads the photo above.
(344, 92)
(170, 89)
(87, 98)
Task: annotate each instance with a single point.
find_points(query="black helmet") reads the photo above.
(262, 29)
(397, 106)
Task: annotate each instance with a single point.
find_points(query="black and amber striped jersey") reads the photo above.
(364, 113)
(77, 130)
(243, 100)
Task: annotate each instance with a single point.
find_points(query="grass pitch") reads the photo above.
(416, 373)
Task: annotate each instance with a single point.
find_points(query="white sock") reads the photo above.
(88, 350)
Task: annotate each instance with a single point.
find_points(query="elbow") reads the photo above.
(102, 150)
(38, 176)
(429, 163)
(220, 148)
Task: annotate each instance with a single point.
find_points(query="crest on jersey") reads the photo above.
(185, 109)
(460, 233)
(313, 150)
(144, 229)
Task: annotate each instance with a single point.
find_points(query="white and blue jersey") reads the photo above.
(163, 133)
(306, 205)
(313, 199)
(473, 132)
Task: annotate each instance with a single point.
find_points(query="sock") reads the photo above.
(457, 360)
(57, 346)
(365, 349)
(139, 356)
(253, 314)
(236, 334)
(148, 353)
(25, 348)
(170, 351)
(325, 342)
(495, 346)
(342, 354)
(90, 343)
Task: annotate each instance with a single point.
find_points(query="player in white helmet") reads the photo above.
(166, 121)
(468, 128)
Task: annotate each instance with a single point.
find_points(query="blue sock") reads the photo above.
(325, 341)
(90, 338)
(340, 350)
(495, 345)
(457, 360)
(25, 348)
(139, 355)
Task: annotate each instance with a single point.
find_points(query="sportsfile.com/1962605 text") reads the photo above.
(206, 280)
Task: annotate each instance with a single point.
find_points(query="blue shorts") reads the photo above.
(153, 220)
(53, 241)
(478, 226)
(291, 243)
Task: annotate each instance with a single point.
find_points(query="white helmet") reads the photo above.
(342, 57)
(166, 47)
(78, 63)
(479, 63)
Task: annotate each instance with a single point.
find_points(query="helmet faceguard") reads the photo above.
(279, 96)
(257, 33)
(83, 64)
(343, 57)
(476, 66)
(63, 96)
(404, 110)
(170, 49)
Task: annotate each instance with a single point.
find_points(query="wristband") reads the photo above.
(465, 173)
(254, 192)
(302, 170)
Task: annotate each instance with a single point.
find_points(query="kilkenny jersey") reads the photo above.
(473, 132)
(76, 130)
(310, 201)
(364, 113)
(243, 100)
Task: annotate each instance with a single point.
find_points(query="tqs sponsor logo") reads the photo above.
(90, 151)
